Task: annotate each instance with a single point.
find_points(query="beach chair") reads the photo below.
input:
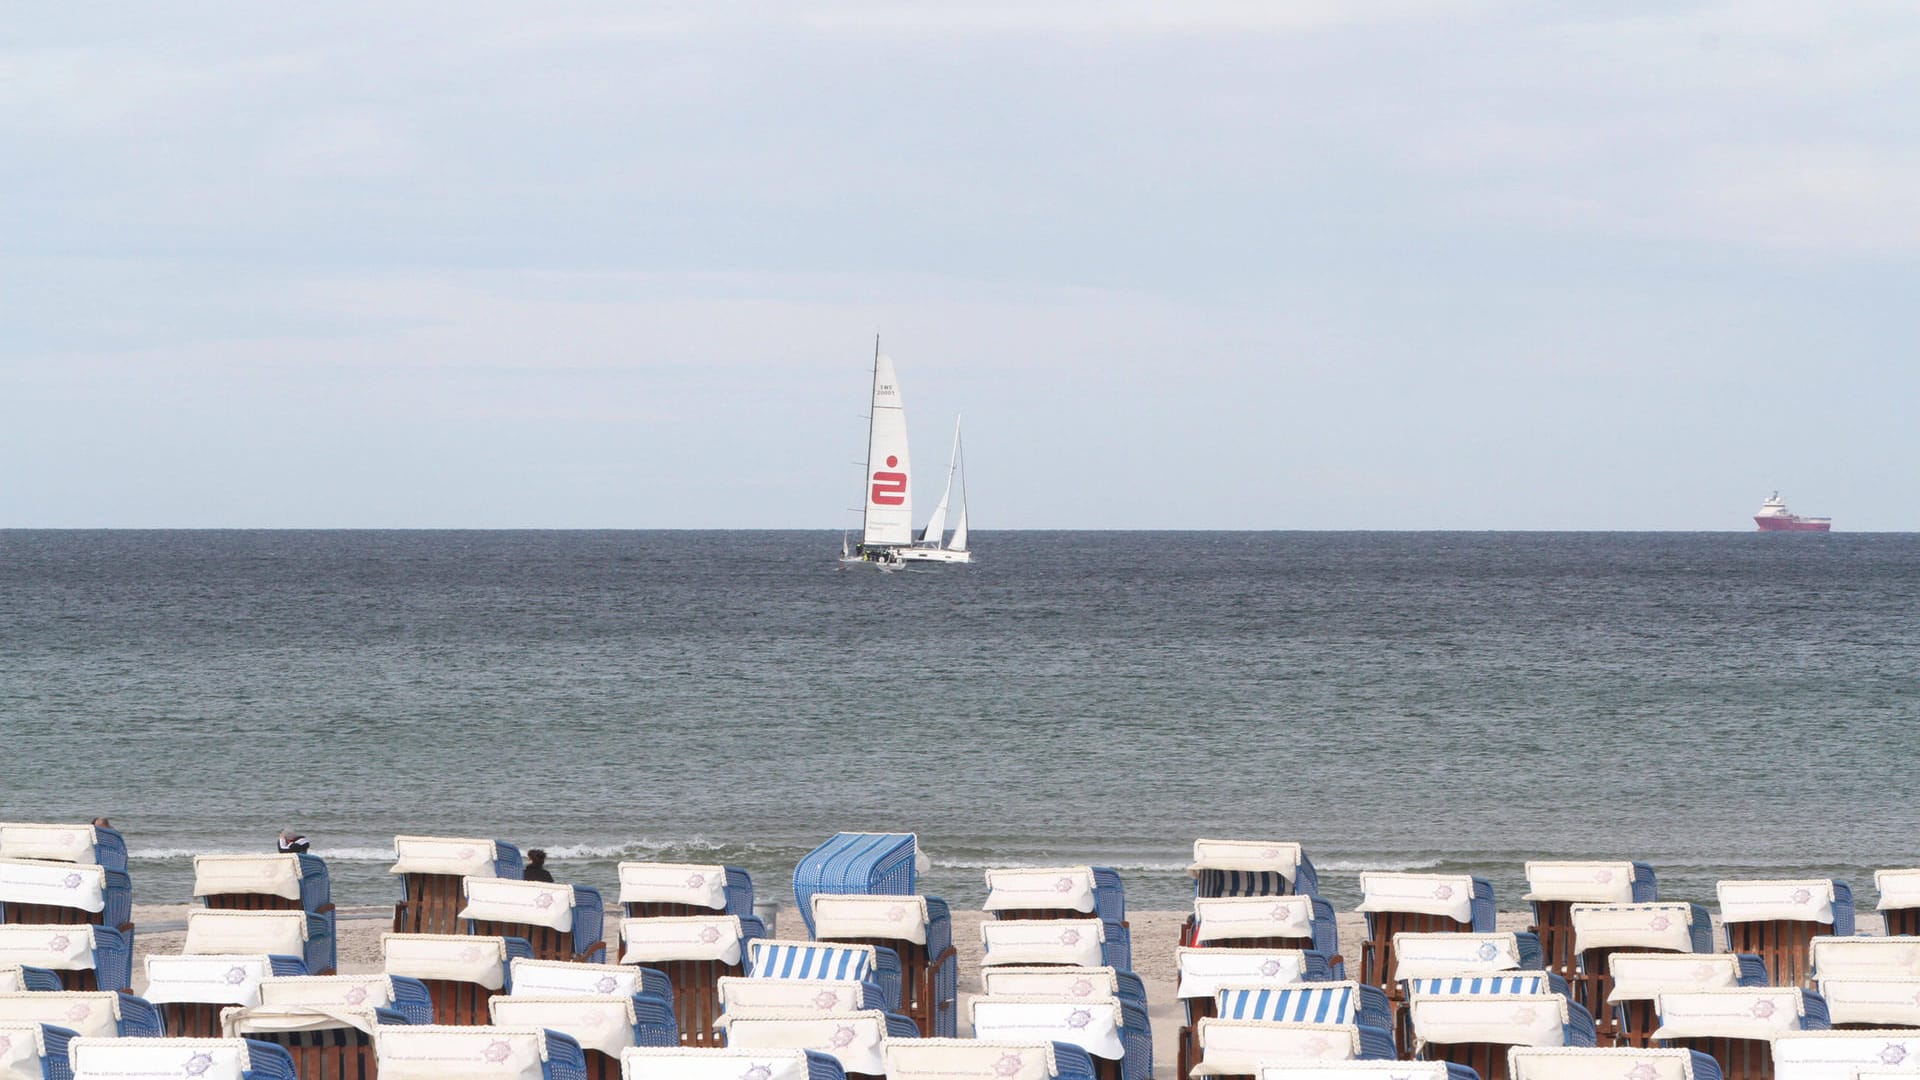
(1204, 972)
(1098, 1027)
(99, 1013)
(30, 1051)
(983, 1059)
(867, 864)
(41, 892)
(289, 936)
(728, 1063)
(1314, 1003)
(604, 1025)
(430, 870)
(1868, 982)
(1554, 887)
(1083, 984)
(560, 922)
(1464, 962)
(561, 978)
(405, 996)
(274, 883)
(79, 956)
(1600, 930)
(1477, 1030)
(694, 952)
(1042, 892)
(86, 844)
(1841, 1055)
(93, 1058)
(19, 978)
(191, 991)
(1241, 1048)
(852, 1038)
(1396, 903)
(651, 890)
(407, 1052)
(1636, 980)
(1055, 942)
(772, 958)
(1899, 902)
(919, 930)
(1251, 868)
(1616, 1063)
(460, 972)
(1737, 1027)
(1265, 922)
(325, 1042)
(1777, 920)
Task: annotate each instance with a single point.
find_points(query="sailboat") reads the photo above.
(934, 544)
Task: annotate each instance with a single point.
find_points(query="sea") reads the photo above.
(1720, 705)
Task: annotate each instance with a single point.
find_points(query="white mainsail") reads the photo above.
(936, 529)
(889, 496)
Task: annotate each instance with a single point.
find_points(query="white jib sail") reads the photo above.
(889, 518)
(936, 529)
(959, 541)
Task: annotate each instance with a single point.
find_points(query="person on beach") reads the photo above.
(536, 868)
(292, 843)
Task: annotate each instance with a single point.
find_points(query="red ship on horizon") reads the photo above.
(1774, 517)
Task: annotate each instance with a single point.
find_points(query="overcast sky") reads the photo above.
(1298, 265)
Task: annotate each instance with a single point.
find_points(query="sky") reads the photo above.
(1323, 264)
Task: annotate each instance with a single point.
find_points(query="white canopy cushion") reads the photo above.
(269, 875)
(967, 1059)
(1748, 1012)
(86, 1012)
(1808, 900)
(895, 918)
(696, 937)
(602, 1023)
(1093, 1026)
(1511, 1020)
(854, 1038)
(1058, 888)
(266, 1019)
(64, 947)
(1664, 927)
(1892, 1001)
(711, 1063)
(1450, 895)
(1838, 1055)
(1093, 983)
(1420, 956)
(1589, 1063)
(1354, 1070)
(674, 883)
(1204, 971)
(158, 1059)
(328, 991)
(447, 957)
(1587, 882)
(443, 855)
(560, 978)
(1254, 856)
(204, 979)
(56, 884)
(1865, 956)
(790, 995)
(221, 933)
(535, 903)
(1042, 941)
(55, 843)
(1226, 918)
(1897, 888)
(1243, 1047)
(22, 1049)
(1645, 976)
(470, 1053)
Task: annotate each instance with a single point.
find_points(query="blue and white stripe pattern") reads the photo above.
(1333, 1004)
(799, 960)
(1526, 982)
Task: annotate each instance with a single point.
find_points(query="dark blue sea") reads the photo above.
(1721, 704)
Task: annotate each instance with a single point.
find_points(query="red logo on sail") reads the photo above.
(889, 488)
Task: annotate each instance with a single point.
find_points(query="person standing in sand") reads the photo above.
(536, 868)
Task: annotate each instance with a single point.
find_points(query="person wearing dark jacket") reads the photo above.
(292, 843)
(536, 868)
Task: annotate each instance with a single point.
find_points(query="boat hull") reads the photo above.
(1792, 524)
(936, 555)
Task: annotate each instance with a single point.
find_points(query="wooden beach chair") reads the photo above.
(1204, 972)
(478, 1053)
(228, 882)
(382, 992)
(1737, 1027)
(430, 869)
(984, 1059)
(191, 991)
(1036, 892)
(650, 890)
(1600, 930)
(560, 922)
(1899, 901)
(333, 1042)
(919, 931)
(867, 864)
(85, 1012)
(728, 1063)
(1594, 1063)
(1553, 887)
(852, 1038)
(77, 956)
(1241, 1048)
(1778, 920)
(1397, 903)
(201, 1059)
(1083, 983)
(42, 892)
(1465, 961)
(1098, 1027)
(1637, 979)
(1477, 1030)
(1844, 1055)
(694, 953)
(604, 1025)
(460, 972)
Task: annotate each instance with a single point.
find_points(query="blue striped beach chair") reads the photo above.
(1899, 900)
(460, 971)
(1553, 887)
(477, 1052)
(326, 1042)
(1868, 982)
(1244, 1047)
(245, 882)
(772, 958)
(983, 1059)
(76, 956)
(1612, 1063)
(1098, 1026)
(430, 869)
(1364, 1070)
(41, 892)
(85, 1012)
(1052, 892)
(651, 890)
(866, 864)
(1477, 1030)
(95, 1058)
(1844, 1055)
(728, 1063)
(294, 938)
(1637, 979)
(1778, 920)
(560, 922)
(86, 844)
(919, 931)
(1204, 972)
(34, 1051)
(1600, 930)
(694, 953)
(379, 991)
(191, 991)
(1737, 1027)
(853, 1038)
(1082, 983)
(1397, 903)
(604, 1025)
(1251, 868)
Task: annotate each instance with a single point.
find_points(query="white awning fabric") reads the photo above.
(56, 884)
(87, 1012)
(64, 947)
(328, 991)
(443, 855)
(53, 843)
(1228, 918)
(1254, 856)
(1865, 956)
(1421, 956)
(1042, 941)
(1354, 1070)
(1204, 971)
(447, 957)
(967, 1059)
(1510, 1020)
(1093, 1026)
(712, 1063)
(791, 995)
(536, 903)
(1586, 882)
(470, 1053)
(563, 978)
(222, 933)
(207, 980)
(22, 1050)
(269, 875)
(1839, 1055)
(1645, 976)
(1091, 983)
(1741, 1013)
(838, 916)
(1450, 895)
(853, 1038)
(674, 883)
(158, 1059)
(1894, 1002)
(1059, 888)
(1809, 900)
(1243, 1047)
(266, 1019)
(596, 1023)
(1587, 1063)
(1662, 927)
(1898, 888)
(699, 937)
